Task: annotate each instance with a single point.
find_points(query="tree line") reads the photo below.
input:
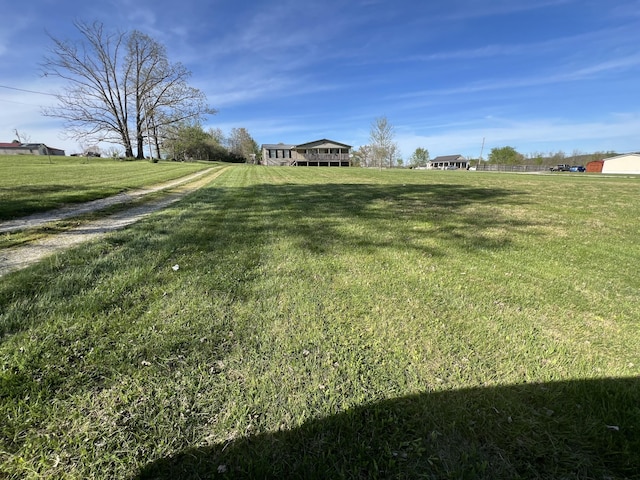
(383, 151)
(510, 156)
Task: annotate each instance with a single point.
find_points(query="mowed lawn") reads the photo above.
(30, 183)
(336, 323)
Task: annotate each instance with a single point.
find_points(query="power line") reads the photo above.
(20, 103)
(28, 91)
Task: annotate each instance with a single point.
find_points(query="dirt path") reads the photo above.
(40, 219)
(17, 258)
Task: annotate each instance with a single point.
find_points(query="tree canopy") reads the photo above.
(121, 88)
(243, 145)
(419, 157)
(505, 156)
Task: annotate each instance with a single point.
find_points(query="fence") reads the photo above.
(511, 168)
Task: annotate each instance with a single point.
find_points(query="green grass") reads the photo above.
(336, 323)
(33, 184)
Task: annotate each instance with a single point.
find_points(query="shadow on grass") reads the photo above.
(317, 217)
(573, 429)
(234, 224)
(24, 200)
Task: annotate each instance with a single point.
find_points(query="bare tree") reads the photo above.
(218, 135)
(162, 95)
(362, 157)
(384, 149)
(242, 144)
(22, 137)
(121, 88)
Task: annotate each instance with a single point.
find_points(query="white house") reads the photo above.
(629, 163)
(448, 161)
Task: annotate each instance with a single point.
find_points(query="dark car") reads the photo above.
(577, 168)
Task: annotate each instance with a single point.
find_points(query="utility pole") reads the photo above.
(481, 150)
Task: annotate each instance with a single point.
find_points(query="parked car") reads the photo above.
(577, 168)
(562, 167)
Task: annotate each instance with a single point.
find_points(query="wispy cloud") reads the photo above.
(541, 135)
(465, 9)
(577, 74)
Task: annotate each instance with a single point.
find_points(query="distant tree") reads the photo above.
(558, 157)
(394, 154)
(505, 156)
(537, 158)
(419, 157)
(362, 157)
(91, 149)
(576, 155)
(112, 152)
(400, 162)
(601, 155)
(243, 145)
(121, 88)
(190, 141)
(22, 137)
(218, 136)
(384, 148)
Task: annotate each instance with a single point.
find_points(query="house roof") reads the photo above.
(321, 141)
(448, 158)
(278, 146)
(632, 155)
(24, 145)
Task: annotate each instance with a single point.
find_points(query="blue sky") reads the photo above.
(537, 75)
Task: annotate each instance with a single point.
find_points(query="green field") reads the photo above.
(30, 184)
(336, 323)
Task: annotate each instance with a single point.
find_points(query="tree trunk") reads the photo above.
(140, 140)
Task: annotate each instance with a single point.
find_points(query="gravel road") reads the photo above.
(16, 258)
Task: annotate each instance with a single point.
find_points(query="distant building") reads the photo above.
(448, 161)
(629, 163)
(17, 148)
(595, 166)
(320, 153)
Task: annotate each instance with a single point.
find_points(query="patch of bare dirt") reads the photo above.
(16, 258)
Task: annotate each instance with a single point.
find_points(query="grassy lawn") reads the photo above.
(31, 183)
(336, 323)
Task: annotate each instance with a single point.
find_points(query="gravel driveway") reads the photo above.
(16, 258)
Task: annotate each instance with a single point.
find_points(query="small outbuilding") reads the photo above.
(629, 163)
(595, 166)
(17, 148)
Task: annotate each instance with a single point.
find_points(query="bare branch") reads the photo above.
(120, 86)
